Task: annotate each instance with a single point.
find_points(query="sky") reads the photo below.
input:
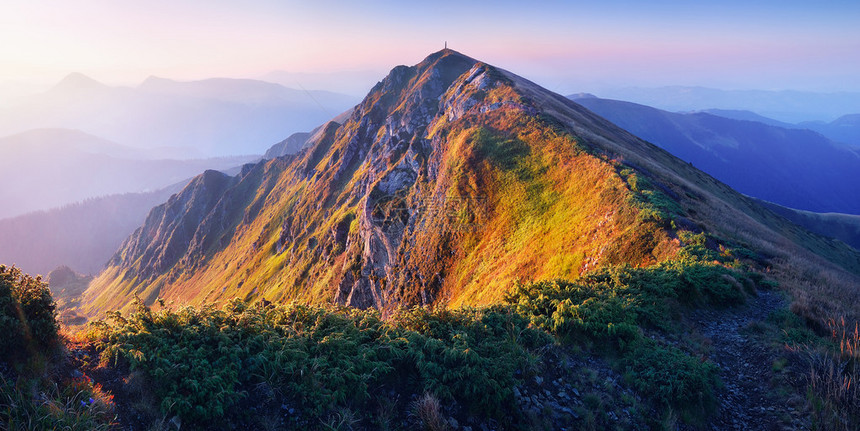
(566, 46)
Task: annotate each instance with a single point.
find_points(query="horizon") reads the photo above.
(566, 48)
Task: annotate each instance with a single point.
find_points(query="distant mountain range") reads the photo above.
(451, 180)
(82, 236)
(844, 130)
(793, 167)
(42, 169)
(737, 114)
(786, 106)
(352, 82)
(212, 117)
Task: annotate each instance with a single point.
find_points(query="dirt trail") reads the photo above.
(748, 400)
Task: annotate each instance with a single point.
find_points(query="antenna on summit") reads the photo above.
(446, 44)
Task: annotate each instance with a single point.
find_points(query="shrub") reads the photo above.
(612, 307)
(27, 315)
(672, 377)
(612, 303)
(207, 360)
(38, 398)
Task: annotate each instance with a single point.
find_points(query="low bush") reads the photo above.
(27, 316)
(612, 303)
(611, 309)
(33, 392)
(206, 360)
(672, 377)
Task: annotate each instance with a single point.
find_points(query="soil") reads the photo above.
(755, 396)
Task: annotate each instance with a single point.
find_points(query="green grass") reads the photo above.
(68, 405)
(610, 311)
(652, 203)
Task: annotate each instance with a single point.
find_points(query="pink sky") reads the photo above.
(566, 46)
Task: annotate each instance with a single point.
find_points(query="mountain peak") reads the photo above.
(439, 188)
(447, 52)
(374, 223)
(77, 81)
(154, 80)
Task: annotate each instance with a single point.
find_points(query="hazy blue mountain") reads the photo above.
(792, 167)
(738, 114)
(293, 144)
(298, 141)
(82, 236)
(352, 82)
(47, 168)
(203, 118)
(787, 106)
(844, 227)
(845, 129)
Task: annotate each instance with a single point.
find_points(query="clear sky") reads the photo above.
(567, 46)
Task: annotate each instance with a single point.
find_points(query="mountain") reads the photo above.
(449, 182)
(791, 167)
(745, 116)
(352, 82)
(212, 117)
(82, 235)
(243, 91)
(297, 141)
(786, 106)
(845, 129)
(844, 227)
(48, 168)
(293, 144)
(77, 83)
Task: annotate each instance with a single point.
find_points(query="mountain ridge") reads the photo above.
(220, 116)
(790, 106)
(792, 167)
(49, 168)
(440, 189)
(397, 125)
(82, 235)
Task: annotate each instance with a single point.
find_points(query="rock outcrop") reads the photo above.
(451, 180)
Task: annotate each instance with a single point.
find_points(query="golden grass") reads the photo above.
(834, 378)
(548, 203)
(428, 412)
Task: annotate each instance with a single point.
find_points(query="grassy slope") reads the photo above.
(844, 227)
(552, 202)
(554, 192)
(535, 219)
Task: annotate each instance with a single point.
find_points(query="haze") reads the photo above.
(565, 46)
(141, 75)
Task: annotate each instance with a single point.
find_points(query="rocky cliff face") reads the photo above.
(451, 180)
